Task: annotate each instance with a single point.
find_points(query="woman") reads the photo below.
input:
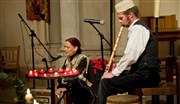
(74, 88)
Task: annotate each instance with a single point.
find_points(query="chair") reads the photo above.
(167, 88)
(178, 80)
(10, 59)
(1, 61)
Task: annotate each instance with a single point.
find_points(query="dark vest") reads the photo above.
(149, 57)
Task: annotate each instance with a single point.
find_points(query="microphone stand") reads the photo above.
(101, 38)
(157, 36)
(32, 45)
(45, 61)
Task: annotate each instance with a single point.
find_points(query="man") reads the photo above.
(139, 66)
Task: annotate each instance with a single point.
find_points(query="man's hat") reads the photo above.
(124, 5)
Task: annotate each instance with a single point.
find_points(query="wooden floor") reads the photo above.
(7, 94)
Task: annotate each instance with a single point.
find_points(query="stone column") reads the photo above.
(69, 25)
(69, 16)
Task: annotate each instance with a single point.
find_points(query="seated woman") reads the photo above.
(77, 91)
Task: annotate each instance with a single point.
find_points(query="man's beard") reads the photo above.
(125, 25)
(128, 23)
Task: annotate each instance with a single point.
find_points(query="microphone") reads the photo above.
(55, 58)
(94, 21)
(20, 15)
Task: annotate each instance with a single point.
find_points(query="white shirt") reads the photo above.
(138, 37)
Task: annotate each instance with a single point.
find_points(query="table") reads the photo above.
(51, 76)
(170, 35)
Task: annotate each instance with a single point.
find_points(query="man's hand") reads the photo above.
(107, 75)
(110, 67)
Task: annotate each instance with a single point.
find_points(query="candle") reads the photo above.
(28, 96)
(35, 71)
(67, 69)
(70, 72)
(44, 75)
(65, 73)
(75, 71)
(35, 102)
(30, 73)
(51, 70)
(56, 74)
(60, 70)
(36, 74)
(41, 71)
(157, 6)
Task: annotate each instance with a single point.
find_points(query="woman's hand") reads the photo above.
(60, 91)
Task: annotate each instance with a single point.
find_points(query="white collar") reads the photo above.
(132, 24)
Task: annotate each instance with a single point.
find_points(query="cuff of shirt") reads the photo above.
(117, 72)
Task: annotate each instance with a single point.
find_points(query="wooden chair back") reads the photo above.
(167, 87)
(1, 61)
(10, 59)
(178, 80)
(170, 66)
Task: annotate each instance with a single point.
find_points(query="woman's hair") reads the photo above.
(75, 42)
